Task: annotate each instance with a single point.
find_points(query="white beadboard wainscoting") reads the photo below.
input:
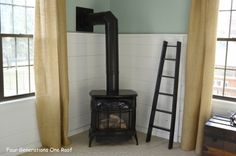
(86, 63)
(139, 56)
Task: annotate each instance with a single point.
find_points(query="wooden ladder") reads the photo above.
(157, 92)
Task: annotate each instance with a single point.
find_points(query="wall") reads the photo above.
(97, 5)
(138, 16)
(18, 125)
(224, 108)
(152, 16)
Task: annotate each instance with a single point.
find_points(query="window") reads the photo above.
(16, 49)
(225, 64)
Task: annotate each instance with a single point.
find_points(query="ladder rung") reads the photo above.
(167, 94)
(162, 128)
(163, 111)
(170, 59)
(171, 77)
(171, 46)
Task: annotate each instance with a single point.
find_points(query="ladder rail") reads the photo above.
(175, 97)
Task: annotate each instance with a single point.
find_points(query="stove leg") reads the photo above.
(136, 138)
(90, 140)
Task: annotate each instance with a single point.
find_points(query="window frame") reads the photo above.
(227, 40)
(225, 98)
(13, 35)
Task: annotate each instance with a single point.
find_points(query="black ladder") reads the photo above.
(157, 93)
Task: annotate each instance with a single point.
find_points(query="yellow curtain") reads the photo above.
(51, 73)
(199, 72)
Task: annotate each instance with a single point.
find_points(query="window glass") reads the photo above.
(231, 73)
(233, 25)
(19, 20)
(220, 54)
(8, 52)
(223, 24)
(6, 19)
(6, 1)
(218, 82)
(23, 79)
(234, 5)
(32, 83)
(230, 90)
(9, 81)
(30, 20)
(31, 52)
(231, 63)
(22, 51)
(30, 3)
(225, 5)
(19, 2)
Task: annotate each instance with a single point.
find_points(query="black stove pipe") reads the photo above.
(112, 57)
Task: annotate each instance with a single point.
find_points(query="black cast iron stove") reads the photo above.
(113, 111)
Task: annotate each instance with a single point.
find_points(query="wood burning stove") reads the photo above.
(113, 115)
(113, 111)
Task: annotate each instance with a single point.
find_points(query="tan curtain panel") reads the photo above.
(51, 72)
(199, 72)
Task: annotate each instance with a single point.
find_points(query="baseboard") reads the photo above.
(141, 129)
(79, 130)
(158, 133)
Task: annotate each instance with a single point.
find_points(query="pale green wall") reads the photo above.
(97, 5)
(138, 16)
(151, 16)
